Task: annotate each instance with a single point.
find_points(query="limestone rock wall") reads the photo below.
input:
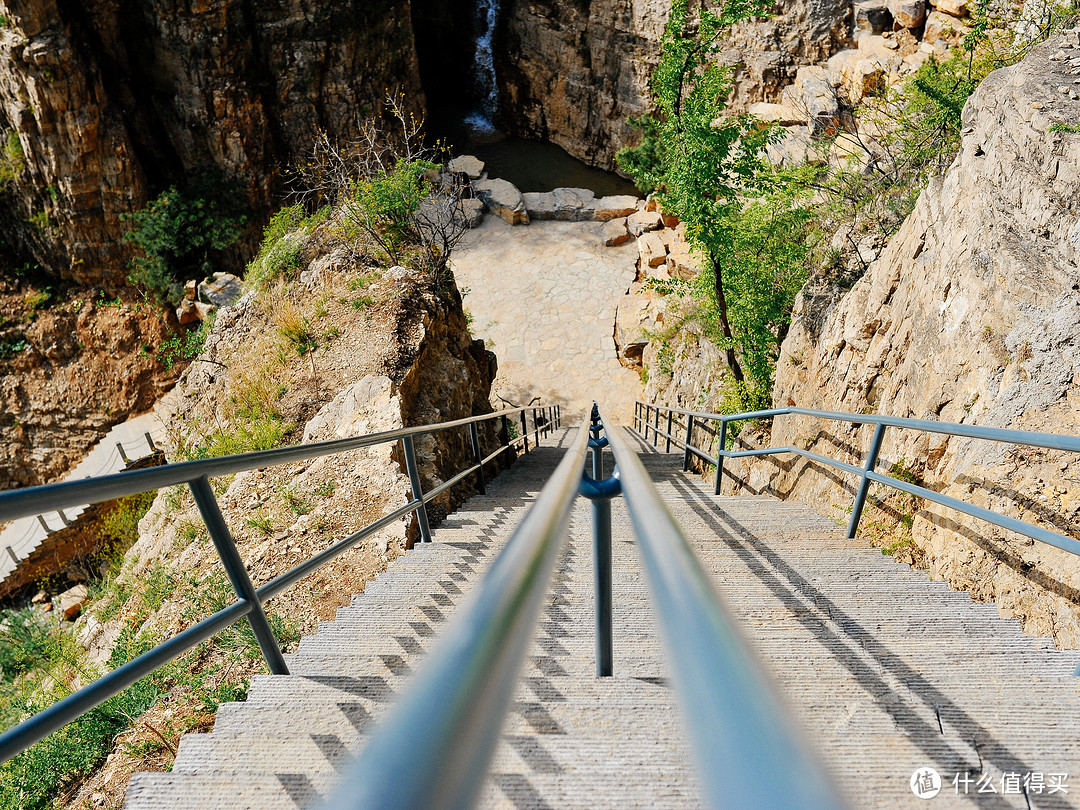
(111, 102)
(972, 315)
(573, 72)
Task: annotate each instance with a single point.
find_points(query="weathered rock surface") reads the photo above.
(908, 13)
(614, 207)
(872, 16)
(971, 314)
(502, 199)
(111, 103)
(615, 232)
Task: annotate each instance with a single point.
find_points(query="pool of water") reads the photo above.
(538, 166)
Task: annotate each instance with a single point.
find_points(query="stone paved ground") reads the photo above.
(543, 296)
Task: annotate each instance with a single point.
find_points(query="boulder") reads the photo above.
(71, 601)
(468, 165)
(193, 311)
(566, 204)
(221, 289)
(793, 149)
(637, 315)
(503, 200)
(641, 221)
(471, 212)
(943, 28)
(621, 205)
(780, 114)
(191, 290)
(615, 232)
(955, 8)
(908, 13)
(814, 91)
(857, 75)
(651, 249)
(872, 16)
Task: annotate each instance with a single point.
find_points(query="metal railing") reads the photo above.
(196, 474)
(433, 750)
(647, 419)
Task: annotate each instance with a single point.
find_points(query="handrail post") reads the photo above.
(524, 432)
(505, 433)
(720, 450)
(536, 428)
(417, 490)
(656, 428)
(667, 445)
(237, 573)
(478, 458)
(600, 491)
(689, 437)
(864, 484)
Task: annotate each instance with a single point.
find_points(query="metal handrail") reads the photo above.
(196, 474)
(749, 752)
(433, 751)
(866, 474)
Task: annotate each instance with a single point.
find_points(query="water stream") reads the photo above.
(482, 119)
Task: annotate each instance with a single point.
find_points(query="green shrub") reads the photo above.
(177, 234)
(24, 642)
(185, 346)
(279, 254)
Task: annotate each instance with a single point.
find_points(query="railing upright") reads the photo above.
(721, 451)
(237, 573)
(524, 432)
(478, 458)
(686, 444)
(864, 483)
(536, 428)
(656, 428)
(409, 452)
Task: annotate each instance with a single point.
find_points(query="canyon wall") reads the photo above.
(572, 73)
(105, 103)
(971, 315)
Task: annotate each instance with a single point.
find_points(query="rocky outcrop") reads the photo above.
(68, 372)
(573, 73)
(105, 104)
(971, 314)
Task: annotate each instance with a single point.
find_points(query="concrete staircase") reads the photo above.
(888, 671)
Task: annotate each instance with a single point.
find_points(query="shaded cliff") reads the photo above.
(111, 101)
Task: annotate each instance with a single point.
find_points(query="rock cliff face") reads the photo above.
(972, 315)
(104, 103)
(573, 72)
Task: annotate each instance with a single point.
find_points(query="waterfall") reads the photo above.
(487, 12)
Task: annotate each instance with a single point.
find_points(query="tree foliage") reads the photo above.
(177, 234)
(387, 192)
(708, 168)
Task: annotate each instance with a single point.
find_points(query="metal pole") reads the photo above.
(601, 510)
(478, 459)
(689, 437)
(417, 491)
(505, 435)
(237, 573)
(150, 442)
(864, 484)
(524, 432)
(536, 428)
(12, 554)
(667, 447)
(123, 455)
(656, 428)
(721, 448)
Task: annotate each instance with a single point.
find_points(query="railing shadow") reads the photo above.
(855, 648)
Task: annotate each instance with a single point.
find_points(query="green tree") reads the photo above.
(708, 169)
(177, 234)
